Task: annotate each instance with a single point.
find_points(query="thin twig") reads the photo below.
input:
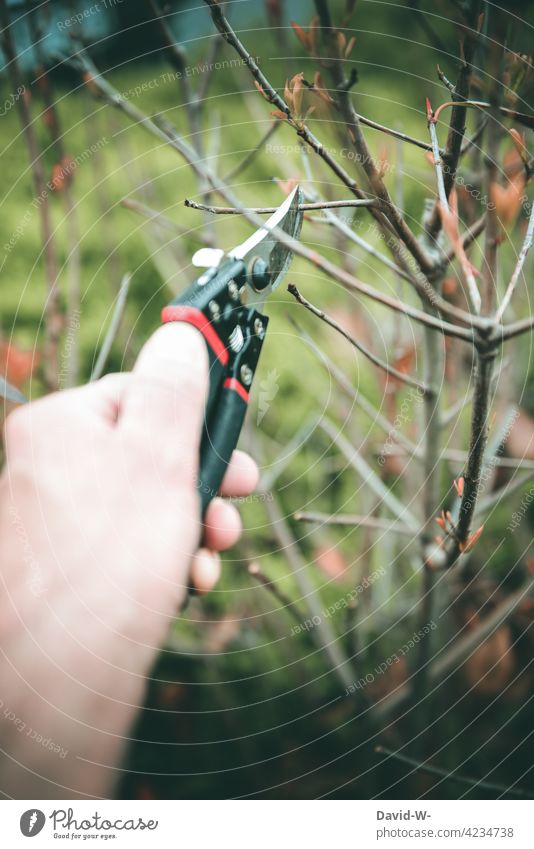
(265, 210)
(73, 261)
(350, 390)
(342, 226)
(390, 370)
(353, 521)
(151, 214)
(472, 141)
(444, 209)
(524, 325)
(518, 268)
(193, 103)
(460, 92)
(467, 238)
(113, 329)
(496, 497)
(477, 783)
(286, 603)
(436, 155)
(394, 133)
(322, 633)
(388, 209)
(353, 124)
(451, 659)
(477, 444)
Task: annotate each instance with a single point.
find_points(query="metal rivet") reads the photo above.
(233, 291)
(259, 329)
(214, 309)
(246, 375)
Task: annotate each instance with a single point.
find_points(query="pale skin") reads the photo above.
(99, 538)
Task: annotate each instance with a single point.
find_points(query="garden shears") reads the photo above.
(226, 305)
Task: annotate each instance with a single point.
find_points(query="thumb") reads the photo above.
(166, 395)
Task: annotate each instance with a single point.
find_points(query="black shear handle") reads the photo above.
(220, 438)
(234, 336)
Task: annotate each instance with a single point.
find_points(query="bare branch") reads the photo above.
(369, 476)
(353, 521)
(322, 634)
(151, 214)
(113, 329)
(436, 155)
(467, 238)
(286, 603)
(524, 325)
(496, 497)
(350, 390)
(444, 210)
(265, 210)
(353, 124)
(518, 267)
(460, 92)
(272, 96)
(396, 134)
(390, 370)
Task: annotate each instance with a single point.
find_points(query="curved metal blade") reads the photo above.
(262, 245)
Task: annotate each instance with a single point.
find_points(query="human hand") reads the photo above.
(99, 535)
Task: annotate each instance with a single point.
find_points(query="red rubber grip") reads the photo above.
(236, 386)
(196, 317)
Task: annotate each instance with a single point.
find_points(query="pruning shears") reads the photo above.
(226, 305)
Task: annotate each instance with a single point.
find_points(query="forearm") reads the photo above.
(73, 664)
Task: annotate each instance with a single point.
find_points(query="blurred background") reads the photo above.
(286, 679)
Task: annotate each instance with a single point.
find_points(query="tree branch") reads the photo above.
(353, 521)
(265, 210)
(518, 268)
(167, 133)
(286, 603)
(461, 91)
(390, 370)
(477, 444)
(353, 124)
(114, 326)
